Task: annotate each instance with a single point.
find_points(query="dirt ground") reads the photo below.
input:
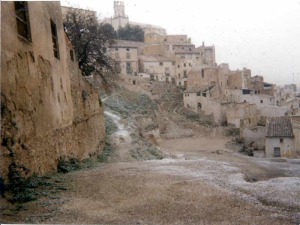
(203, 183)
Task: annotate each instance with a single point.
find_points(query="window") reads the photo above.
(202, 72)
(261, 101)
(178, 75)
(72, 55)
(199, 105)
(22, 16)
(54, 39)
(180, 83)
(190, 64)
(178, 66)
(128, 68)
(199, 93)
(190, 49)
(184, 74)
(127, 55)
(161, 63)
(127, 49)
(281, 140)
(184, 64)
(204, 94)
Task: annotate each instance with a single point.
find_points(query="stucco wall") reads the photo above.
(286, 147)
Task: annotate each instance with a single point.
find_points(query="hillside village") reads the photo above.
(229, 97)
(162, 147)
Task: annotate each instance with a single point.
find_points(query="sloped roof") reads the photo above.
(279, 127)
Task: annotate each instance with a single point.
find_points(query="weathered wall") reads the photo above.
(241, 114)
(286, 147)
(48, 111)
(296, 131)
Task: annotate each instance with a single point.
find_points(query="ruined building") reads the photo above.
(48, 111)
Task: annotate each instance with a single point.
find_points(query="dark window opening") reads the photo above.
(277, 152)
(184, 74)
(281, 140)
(127, 49)
(202, 72)
(199, 105)
(72, 55)
(184, 64)
(22, 16)
(199, 93)
(161, 63)
(261, 101)
(178, 66)
(54, 39)
(246, 92)
(204, 94)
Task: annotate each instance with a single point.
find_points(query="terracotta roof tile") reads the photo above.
(279, 127)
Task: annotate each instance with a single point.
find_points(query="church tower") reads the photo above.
(119, 9)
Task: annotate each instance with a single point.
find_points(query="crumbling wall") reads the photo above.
(44, 117)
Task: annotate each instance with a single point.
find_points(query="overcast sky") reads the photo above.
(262, 35)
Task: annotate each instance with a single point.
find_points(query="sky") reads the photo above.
(261, 35)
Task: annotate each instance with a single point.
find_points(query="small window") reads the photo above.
(184, 64)
(54, 39)
(72, 55)
(22, 16)
(178, 75)
(281, 140)
(161, 63)
(199, 105)
(190, 64)
(190, 49)
(261, 101)
(184, 74)
(202, 72)
(178, 66)
(199, 93)
(127, 49)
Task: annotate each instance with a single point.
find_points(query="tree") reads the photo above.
(131, 33)
(90, 40)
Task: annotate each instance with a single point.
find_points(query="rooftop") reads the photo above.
(279, 127)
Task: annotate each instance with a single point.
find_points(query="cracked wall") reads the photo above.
(48, 111)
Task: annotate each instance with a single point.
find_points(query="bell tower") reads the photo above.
(119, 9)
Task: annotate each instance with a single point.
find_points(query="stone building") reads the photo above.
(49, 112)
(160, 68)
(125, 55)
(279, 137)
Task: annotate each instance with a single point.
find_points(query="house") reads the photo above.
(160, 68)
(125, 56)
(279, 137)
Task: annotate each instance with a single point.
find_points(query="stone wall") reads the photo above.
(49, 112)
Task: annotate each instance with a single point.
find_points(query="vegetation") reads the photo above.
(90, 40)
(131, 33)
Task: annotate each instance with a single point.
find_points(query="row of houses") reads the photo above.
(228, 97)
